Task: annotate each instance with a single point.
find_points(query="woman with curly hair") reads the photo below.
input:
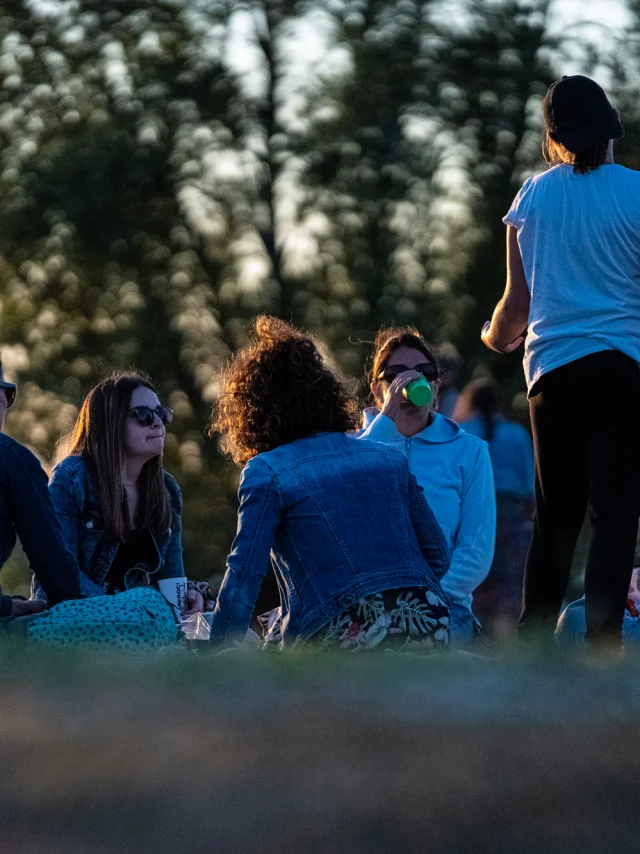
(356, 550)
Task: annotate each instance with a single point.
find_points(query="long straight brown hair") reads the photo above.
(98, 435)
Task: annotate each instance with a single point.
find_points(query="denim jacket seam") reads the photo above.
(75, 474)
(283, 501)
(335, 533)
(320, 598)
(279, 488)
(437, 532)
(76, 479)
(170, 540)
(71, 485)
(240, 578)
(401, 503)
(174, 493)
(439, 540)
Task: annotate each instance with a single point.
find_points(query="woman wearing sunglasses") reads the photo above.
(120, 511)
(452, 467)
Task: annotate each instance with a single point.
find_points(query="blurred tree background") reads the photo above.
(170, 168)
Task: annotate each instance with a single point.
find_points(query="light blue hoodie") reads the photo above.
(454, 470)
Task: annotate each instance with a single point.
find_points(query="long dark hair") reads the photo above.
(278, 389)
(389, 339)
(482, 396)
(586, 161)
(98, 435)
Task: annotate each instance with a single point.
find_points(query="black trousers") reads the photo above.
(585, 418)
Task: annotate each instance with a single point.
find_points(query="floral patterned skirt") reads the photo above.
(403, 619)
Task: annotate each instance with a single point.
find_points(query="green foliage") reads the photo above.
(491, 93)
(170, 168)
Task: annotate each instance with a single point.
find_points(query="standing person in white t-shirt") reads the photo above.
(573, 289)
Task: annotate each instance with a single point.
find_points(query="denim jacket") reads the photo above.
(75, 500)
(26, 512)
(341, 518)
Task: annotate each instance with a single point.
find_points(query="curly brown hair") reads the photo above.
(278, 389)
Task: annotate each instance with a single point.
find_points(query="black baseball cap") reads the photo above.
(578, 114)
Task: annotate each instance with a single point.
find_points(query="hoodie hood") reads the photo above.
(440, 431)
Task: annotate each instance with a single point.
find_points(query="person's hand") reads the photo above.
(195, 603)
(486, 338)
(23, 607)
(393, 398)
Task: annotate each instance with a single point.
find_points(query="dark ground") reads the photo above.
(245, 752)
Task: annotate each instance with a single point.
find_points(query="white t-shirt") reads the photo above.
(579, 236)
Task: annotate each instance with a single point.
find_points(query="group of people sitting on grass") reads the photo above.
(380, 527)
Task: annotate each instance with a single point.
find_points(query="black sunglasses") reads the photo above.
(428, 370)
(11, 395)
(146, 415)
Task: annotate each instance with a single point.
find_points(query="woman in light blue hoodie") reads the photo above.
(452, 467)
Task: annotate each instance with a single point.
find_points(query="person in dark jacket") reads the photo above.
(27, 514)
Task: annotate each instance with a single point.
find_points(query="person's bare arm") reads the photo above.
(506, 330)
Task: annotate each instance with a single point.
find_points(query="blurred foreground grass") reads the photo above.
(245, 752)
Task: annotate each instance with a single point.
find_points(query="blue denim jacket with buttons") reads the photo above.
(77, 507)
(341, 518)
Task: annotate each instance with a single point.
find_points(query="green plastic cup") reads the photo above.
(418, 392)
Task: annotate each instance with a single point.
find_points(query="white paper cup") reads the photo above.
(174, 591)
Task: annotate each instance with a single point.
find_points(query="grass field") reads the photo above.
(245, 752)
